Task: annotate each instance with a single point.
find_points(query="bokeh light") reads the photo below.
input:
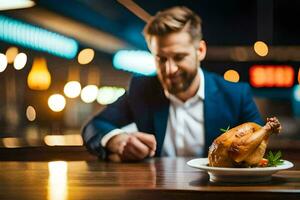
(15, 4)
(3, 62)
(297, 93)
(72, 89)
(86, 56)
(56, 102)
(299, 76)
(232, 76)
(89, 93)
(29, 36)
(108, 95)
(20, 61)
(11, 142)
(30, 113)
(261, 48)
(141, 62)
(63, 140)
(11, 53)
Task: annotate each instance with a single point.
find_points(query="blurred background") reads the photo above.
(63, 60)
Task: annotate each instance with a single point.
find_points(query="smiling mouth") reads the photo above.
(175, 79)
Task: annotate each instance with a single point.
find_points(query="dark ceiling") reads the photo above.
(230, 22)
(225, 23)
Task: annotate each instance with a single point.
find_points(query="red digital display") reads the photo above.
(272, 76)
(299, 76)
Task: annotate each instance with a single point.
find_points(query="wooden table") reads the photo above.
(154, 179)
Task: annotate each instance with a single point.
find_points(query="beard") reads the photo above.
(181, 82)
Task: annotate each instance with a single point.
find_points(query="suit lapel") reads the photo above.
(160, 109)
(210, 109)
(160, 125)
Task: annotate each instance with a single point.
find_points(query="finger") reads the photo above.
(147, 139)
(137, 148)
(117, 143)
(127, 155)
(121, 147)
(152, 153)
(114, 157)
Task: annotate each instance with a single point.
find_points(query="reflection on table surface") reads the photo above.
(158, 178)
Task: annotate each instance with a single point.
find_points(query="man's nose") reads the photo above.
(171, 67)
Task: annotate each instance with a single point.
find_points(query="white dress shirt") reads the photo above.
(185, 127)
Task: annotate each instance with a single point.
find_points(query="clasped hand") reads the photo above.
(131, 147)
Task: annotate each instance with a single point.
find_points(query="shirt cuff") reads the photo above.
(109, 135)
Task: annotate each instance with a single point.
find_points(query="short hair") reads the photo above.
(172, 20)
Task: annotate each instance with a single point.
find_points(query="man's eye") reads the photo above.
(161, 59)
(179, 58)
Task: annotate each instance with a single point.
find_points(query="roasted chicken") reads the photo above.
(242, 146)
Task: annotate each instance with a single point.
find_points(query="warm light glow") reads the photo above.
(89, 93)
(56, 102)
(15, 4)
(271, 76)
(57, 168)
(39, 77)
(108, 95)
(261, 48)
(20, 61)
(11, 53)
(11, 142)
(299, 76)
(289, 76)
(63, 140)
(72, 89)
(3, 62)
(86, 56)
(58, 180)
(32, 135)
(257, 76)
(232, 76)
(30, 113)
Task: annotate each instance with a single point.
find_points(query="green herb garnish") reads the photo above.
(225, 130)
(274, 160)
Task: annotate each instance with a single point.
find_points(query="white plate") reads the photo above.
(238, 175)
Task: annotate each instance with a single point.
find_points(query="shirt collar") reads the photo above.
(200, 91)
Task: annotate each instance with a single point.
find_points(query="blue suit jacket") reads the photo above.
(145, 104)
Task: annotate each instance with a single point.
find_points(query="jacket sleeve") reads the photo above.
(113, 116)
(249, 111)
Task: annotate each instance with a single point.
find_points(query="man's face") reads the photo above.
(177, 58)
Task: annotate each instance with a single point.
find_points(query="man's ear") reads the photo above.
(201, 50)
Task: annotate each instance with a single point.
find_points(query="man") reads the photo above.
(178, 112)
